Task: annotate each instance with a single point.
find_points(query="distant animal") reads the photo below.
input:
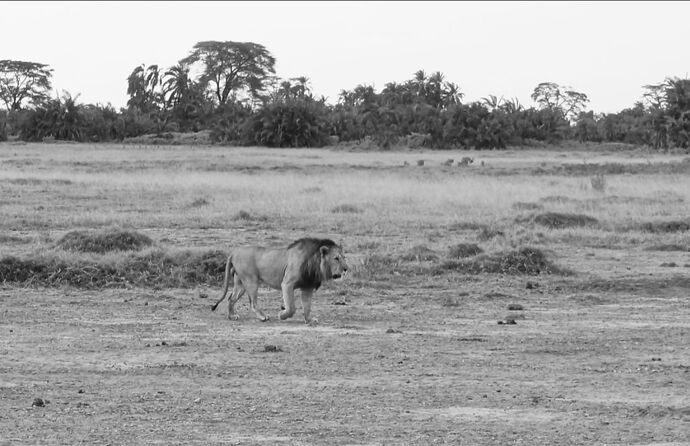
(448, 162)
(305, 264)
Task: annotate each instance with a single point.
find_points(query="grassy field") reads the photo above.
(122, 348)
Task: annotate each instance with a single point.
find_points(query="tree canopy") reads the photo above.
(23, 81)
(231, 68)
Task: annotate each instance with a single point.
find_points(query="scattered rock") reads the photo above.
(339, 302)
(81, 391)
(38, 402)
(393, 330)
(203, 295)
(669, 264)
(531, 285)
(515, 307)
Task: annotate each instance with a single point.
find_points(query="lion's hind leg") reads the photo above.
(238, 291)
(253, 291)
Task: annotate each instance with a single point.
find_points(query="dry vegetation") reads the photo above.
(535, 297)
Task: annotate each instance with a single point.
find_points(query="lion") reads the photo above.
(304, 265)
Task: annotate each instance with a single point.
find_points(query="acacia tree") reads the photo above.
(230, 68)
(23, 81)
(551, 96)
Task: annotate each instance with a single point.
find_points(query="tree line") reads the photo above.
(231, 90)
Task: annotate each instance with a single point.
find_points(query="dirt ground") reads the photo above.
(421, 361)
(408, 357)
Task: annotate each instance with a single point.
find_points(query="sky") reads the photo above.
(607, 50)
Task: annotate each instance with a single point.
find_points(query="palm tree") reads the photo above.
(176, 85)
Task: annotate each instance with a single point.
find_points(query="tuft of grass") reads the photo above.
(420, 253)
(466, 226)
(7, 238)
(527, 206)
(667, 247)
(104, 241)
(199, 202)
(557, 220)
(598, 182)
(488, 233)
(243, 215)
(346, 209)
(665, 226)
(464, 250)
(527, 260)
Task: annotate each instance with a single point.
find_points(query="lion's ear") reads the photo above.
(324, 250)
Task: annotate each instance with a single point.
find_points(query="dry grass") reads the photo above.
(527, 260)
(254, 194)
(463, 250)
(104, 241)
(154, 268)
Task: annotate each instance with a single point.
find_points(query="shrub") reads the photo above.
(105, 241)
(556, 220)
(530, 261)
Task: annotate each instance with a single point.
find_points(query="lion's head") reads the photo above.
(323, 260)
(333, 264)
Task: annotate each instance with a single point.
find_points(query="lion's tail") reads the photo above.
(229, 272)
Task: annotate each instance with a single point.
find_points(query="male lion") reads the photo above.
(304, 265)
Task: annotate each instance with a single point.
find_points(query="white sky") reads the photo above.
(607, 50)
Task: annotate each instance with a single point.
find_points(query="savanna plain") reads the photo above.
(527, 297)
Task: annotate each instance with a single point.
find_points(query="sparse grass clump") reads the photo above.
(464, 250)
(527, 206)
(487, 233)
(245, 216)
(420, 253)
(199, 202)
(667, 247)
(665, 226)
(466, 226)
(598, 182)
(104, 241)
(530, 261)
(557, 220)
(346, 209)
(6, 238)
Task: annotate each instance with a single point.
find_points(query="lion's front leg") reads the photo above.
(288, 300)
(306, 306)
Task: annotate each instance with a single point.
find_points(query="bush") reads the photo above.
(155, 268)
(530, 261)
(102, 242)
(296, 122)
